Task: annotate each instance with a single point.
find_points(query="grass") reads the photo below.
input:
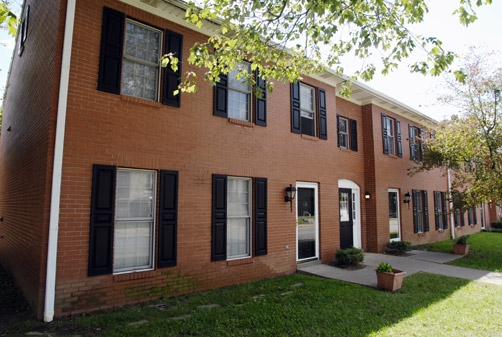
(303, 305)
(485, 251)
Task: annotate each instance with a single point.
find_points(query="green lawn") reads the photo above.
(485, 251)
(302, 305)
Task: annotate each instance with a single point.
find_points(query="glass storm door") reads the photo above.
(394, 228)
(307, 221)
(346, 220)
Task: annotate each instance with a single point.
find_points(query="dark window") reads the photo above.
(129, 59)
(472, 216)
(420, 211)
(347, 133)
(391, 136)
(233, 97)
(459, 210)
(416, 140)
(123, 220)
(440, 210)
(308, 112)
(238, 219)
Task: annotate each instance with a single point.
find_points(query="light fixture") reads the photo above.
(367, 195)
(290, 195)
(407, 199)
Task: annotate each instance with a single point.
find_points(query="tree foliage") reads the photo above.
(471, 145)
(8, 19)
(284, 39)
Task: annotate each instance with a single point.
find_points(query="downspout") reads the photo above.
(50, 282)
(452, 213)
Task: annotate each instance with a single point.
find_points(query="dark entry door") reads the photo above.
(306, 223)
(346, 222)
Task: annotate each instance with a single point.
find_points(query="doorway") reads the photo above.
(350, 214)
(307, 221)
(394, 217)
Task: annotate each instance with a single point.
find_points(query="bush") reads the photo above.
(497, 224)
(397, 247)
(349, 257)
(461, 240)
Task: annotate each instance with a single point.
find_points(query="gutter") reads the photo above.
(50, 283)
(452, 207)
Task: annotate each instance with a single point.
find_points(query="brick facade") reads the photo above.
(126, 132)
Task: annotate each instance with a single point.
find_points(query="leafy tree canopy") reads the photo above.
(470, 145)
(284, 39)
(8, 20)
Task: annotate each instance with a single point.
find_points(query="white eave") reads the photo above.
(174, 10)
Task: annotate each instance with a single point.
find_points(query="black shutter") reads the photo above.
(110, 59)
(445, 210)
(415, 220)
(168, 218)
(260, 216)
(426, 212)
(385, 139)
(172, 79)
(219, 221)
(338, 130)
(437, 211)
(296, 121)
(102, 219)
(399, 141)
(323, 117)
(353, 135)
(261, 101)
(220, 97)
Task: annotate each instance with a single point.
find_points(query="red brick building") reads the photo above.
(114, 191)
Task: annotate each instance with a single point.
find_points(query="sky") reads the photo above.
(414, 90)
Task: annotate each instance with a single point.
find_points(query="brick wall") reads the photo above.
(26, 151)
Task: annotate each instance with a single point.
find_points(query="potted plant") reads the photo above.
(389, 278)
(460, 245)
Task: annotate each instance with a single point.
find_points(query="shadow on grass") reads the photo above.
(294, 305)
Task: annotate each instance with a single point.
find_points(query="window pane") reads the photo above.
(239, 94)
(134, 215)
(132, 246)
(238, 238)
(238, 197)
(239, 83)
(140, 70)
(343, 132)
(306, 98)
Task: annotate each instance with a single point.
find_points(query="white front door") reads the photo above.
(307, 228)
(394, 220)
(355, 209)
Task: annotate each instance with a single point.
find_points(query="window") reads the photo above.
(391, 133)
(123, 220)
(440, 210)
(134, 220)
(458, 205)
(472, 216)
(235, 213)
(141, 67)
(308, 110)
(129, 59)
(347, 133)
(239, 218)
(420, 211)
(233, 97)
(416, 143)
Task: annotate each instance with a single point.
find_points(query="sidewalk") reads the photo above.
(416, 261)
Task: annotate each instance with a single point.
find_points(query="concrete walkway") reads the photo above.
(416, 261)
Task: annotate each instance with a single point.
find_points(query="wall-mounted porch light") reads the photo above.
(407, 199)
(290, 195)
(367, 195)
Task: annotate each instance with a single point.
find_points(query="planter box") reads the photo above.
(460, 249)
(390, 281)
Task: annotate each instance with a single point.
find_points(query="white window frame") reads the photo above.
(136, 60)
(151, 219)
(391, 136)
(305, 110)
(245, 89)
(247, 217)
(343, 133)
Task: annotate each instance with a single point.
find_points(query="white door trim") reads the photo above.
(395, 190)
(356, 209)
(315, 186)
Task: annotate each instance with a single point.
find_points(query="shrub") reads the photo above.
(497, 224)
(349, 257)
(462, 240)
(397, 247)
(384, 267)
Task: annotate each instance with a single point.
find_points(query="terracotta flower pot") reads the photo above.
(460, 249)
(390, 281)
